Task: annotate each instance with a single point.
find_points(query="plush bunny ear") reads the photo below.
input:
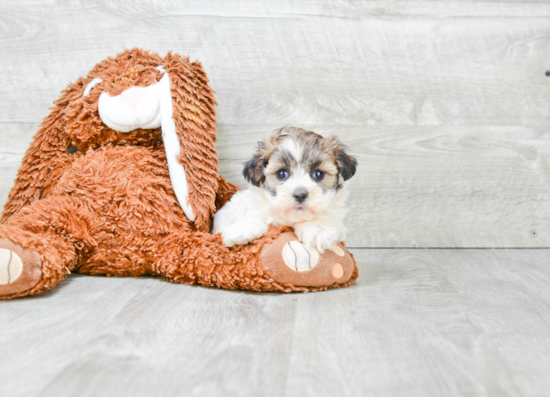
(195, 175)
(47, 156)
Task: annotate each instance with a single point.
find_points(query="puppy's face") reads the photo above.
(300, 171)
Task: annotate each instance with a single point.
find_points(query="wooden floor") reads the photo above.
(447, 322)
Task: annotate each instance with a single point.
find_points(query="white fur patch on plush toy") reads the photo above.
(91, 85)
(300, 258)
(136, 107)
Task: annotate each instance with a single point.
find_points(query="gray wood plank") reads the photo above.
(301, 62)
(508, 287)
(402, 331)
(120, 341)
(417, 322)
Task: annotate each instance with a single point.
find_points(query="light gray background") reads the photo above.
(446, 105)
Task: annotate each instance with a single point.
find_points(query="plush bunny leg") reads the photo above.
(200, 258)
(41, 244)
(263, 265)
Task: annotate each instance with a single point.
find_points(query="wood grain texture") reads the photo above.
(417, 323)
(434, 186)
(302, 62)
(446, 104)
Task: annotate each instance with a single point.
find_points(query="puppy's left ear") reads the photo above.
(347, 164)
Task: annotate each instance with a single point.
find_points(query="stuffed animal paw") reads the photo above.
(292, 262)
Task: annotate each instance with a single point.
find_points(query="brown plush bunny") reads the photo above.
(122, 179)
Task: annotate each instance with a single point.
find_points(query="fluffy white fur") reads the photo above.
(249, 212)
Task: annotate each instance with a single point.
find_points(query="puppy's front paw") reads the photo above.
(317, 237)
(243, 233)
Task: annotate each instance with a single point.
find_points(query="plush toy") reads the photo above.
(122, 179)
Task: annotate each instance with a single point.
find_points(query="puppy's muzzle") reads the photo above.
(300, 195)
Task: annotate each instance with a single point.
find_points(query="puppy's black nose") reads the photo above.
(300, 195)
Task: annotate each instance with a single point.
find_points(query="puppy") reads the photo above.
(298, 179)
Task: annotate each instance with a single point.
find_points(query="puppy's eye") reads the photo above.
(282, 174)
(318, 175)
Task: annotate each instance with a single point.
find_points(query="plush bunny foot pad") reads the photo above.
(20, 269)
(291, 262)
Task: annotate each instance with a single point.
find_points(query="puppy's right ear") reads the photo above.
(253, 170)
